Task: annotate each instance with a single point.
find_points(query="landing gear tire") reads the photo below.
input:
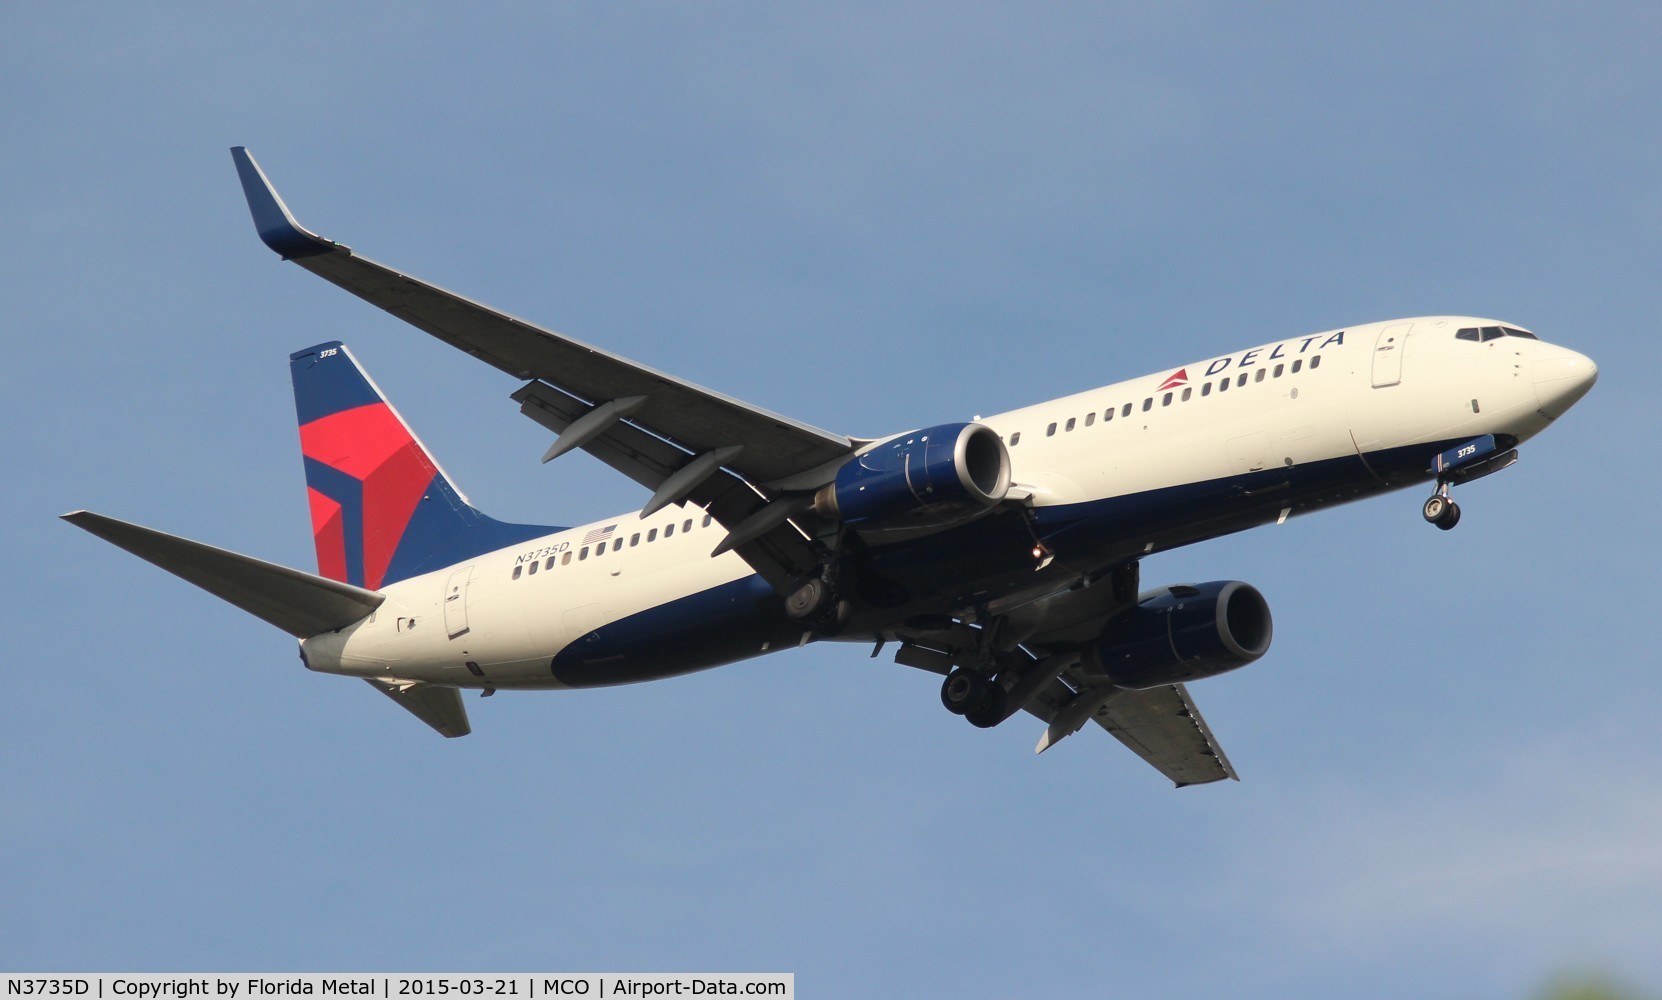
(964, 691)
(973, 696)
(807, 600)
(991, 712)
(1441, 511)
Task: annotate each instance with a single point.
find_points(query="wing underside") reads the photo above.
(1160, 725)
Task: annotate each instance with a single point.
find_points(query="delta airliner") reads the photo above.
(1001, 553)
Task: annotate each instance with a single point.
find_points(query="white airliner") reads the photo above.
(1002, 553)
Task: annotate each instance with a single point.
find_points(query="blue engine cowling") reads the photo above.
(1183, 633)
(930, 477)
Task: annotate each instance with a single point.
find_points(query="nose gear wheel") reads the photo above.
(1440, 510)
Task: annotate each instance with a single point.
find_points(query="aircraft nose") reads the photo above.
(1561, 378)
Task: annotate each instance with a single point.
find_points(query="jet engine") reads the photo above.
(929, 478)
(1183, 633)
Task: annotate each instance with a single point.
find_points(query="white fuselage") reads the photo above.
(1345, 398)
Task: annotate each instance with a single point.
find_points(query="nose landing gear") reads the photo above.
(1475, 459)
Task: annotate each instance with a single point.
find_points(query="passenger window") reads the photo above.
(1241, 380)
(1315, 362)
(517, 571)
(1166, 401)
(707, 520)
(1297, 365)
(565, 560)
(1125, 411)
(1187, 392)
(1090, 418)
(549, 564)
(1050, 431)
(600, 550)
(687, 525)
(669, 529)
(634, 539)
(533, 570)
(1279, 369)
(1206, 390)
(1015, 439)
(1071, 422)
(1148, 404)
(584, 554)
(1108, 414)
(1223, 386)
(652, 535)
(1469, 333)
(1260, 376)
(617, 543)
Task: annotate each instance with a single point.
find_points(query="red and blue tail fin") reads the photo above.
(382, 509)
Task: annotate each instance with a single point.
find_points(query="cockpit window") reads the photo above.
(1488, 333)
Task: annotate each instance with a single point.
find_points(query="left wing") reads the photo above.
(1041, 642)
(1160, 725)
(722, 453)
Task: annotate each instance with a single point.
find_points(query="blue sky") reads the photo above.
(872, 217)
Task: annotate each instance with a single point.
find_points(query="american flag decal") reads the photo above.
(599, 534)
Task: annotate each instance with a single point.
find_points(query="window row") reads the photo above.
(1188, 393)
(604, 545)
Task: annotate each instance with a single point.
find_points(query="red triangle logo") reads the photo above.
(1180, 378)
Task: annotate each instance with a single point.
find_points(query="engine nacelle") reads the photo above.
(935, 477)
(1183, 633)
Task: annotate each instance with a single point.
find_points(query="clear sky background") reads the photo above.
(871, 217)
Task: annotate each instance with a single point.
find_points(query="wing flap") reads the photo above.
(781, 556)
(301, 604)
(1163, 727)
(1160, 725)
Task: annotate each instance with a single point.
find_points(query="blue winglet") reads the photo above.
(272, 219)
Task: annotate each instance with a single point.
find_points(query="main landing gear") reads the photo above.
(1440, 509)
(816, 603)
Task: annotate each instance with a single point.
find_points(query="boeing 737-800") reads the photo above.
(1001, 553)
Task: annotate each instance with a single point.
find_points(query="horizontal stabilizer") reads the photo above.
(439, 707)
(299, 603)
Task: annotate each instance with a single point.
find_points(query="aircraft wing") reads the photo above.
(1160, 725)
(599, 401)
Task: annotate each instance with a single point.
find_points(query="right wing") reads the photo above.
(731, 457)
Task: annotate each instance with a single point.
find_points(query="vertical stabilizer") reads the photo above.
(382, 509)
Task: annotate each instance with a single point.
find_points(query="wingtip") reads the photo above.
(272, 219)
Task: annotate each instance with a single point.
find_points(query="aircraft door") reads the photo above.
(1387, 354)
(455, 602)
